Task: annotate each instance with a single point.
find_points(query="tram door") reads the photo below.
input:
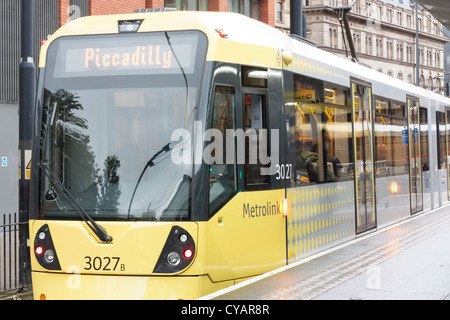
(447, 139)
(363, 145)
(415, 161)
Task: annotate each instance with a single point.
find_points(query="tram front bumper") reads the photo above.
(63, 286)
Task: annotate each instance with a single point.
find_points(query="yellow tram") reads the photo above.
(178, 153)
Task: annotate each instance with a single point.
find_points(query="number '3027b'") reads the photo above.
(105, 263)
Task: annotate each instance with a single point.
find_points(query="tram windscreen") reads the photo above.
(110, 107)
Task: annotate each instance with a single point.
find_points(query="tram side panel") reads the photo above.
(319, 217)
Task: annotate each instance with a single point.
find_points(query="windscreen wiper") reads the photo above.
(99, 231)
(149, 164)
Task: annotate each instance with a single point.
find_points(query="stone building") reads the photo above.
(384, 35)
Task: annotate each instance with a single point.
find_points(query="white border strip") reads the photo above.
(320, 254)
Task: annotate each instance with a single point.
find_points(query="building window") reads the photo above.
(389, 15)
(400, 51)
(368, 9)
(357, 41)
(438, 84)
(390, 50)
(430, 83)
(254, 9)
(409, 54)
(333, 38)
(194, 5)
(280, 11)
(369, 48)
(250, 8)
(379, 47)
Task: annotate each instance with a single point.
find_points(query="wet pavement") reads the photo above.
(409, 260)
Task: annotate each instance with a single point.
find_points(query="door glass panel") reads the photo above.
(222, 179)
(255, 125)
(364, 173)
(447, 151)
(415, 157)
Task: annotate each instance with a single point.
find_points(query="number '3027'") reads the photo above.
(103, 263)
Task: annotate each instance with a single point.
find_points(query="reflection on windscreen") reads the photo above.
(99, 142)
(111, 102)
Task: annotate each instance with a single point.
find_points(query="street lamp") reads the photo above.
(27, 88)
(416, 7)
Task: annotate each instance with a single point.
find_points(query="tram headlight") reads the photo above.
(173, 258)
(183, 237)
(49, 256)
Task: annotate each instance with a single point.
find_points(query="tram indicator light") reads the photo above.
(39, 250)
(188, 253)
(283, 207)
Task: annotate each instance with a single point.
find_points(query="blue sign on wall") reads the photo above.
(405, 136)
(4, 161)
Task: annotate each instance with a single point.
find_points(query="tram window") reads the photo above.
(321, 127)
(382, 106)
(335, 96)
(254, 77)
(398, 109)
(383, 143)
(391, 146)
(424, 139)
(222, 179)
(399, 147)
(255, 123)
(442, 140)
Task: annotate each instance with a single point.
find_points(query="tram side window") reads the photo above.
(383, 139)
(257, 137)
(424, 139)
(320, 129)
(390, 138)
(338, 147)
(222, 179)
(442, 140)
(255, 125)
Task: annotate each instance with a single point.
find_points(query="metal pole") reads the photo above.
(296, 17)
(349, 35)
(417, 47)
(27, 89)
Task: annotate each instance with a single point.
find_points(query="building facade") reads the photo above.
(384, 36)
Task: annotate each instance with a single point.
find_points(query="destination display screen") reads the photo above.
(153, 53)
